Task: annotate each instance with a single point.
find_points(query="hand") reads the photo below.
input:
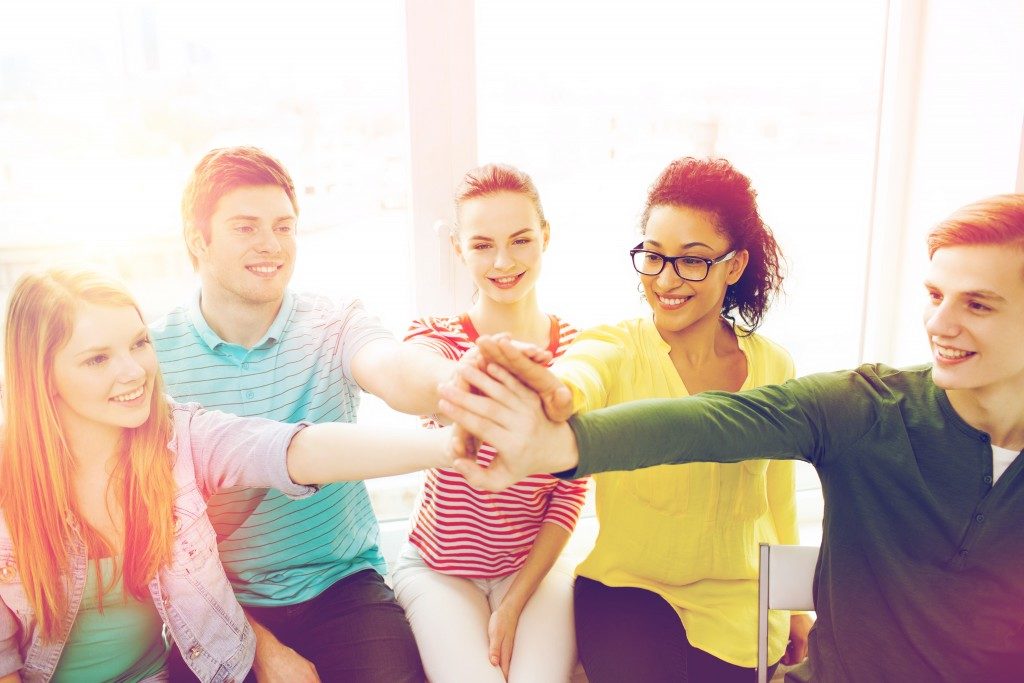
(522, 361)
(508, 416)
(796, 651)
(275, 661)
(501, 634)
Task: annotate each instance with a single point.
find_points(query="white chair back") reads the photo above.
(785, 581)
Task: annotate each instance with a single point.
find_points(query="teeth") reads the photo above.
(129, 396)
(263, 269)
(506, 280)
(952, 354)
(671, 302)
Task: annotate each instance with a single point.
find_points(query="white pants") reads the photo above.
(449, 616)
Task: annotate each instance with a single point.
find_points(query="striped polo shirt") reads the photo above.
(279, 551)
(465, 531)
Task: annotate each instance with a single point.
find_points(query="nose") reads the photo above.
(268, 243)
(130, 370)
(941, 321)
(502, 259)
(667, 278)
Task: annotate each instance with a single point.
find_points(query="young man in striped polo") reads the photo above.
(308, 572)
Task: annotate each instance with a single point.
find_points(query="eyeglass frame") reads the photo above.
(638, 249)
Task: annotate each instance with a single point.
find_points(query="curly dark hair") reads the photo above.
(713, 185)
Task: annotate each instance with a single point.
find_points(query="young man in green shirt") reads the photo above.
(920, 572)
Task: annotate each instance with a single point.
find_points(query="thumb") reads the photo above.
(558, 403)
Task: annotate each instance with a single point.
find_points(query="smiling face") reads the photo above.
(975, 317)
(251, 252)
(683, 231)
(501, 239)
(103, 378)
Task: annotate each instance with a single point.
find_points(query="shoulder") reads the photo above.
(170, 326)
(764, 350)
(437, 326)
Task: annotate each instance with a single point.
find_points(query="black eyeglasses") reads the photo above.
(692, 268)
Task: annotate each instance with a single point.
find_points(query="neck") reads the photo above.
(237, 321)
(522, 319)
(93, 446)
(700, 341)
(996, 411)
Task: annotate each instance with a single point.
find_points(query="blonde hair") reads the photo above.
(36, 466)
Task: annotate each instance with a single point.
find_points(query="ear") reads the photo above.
(453, 237)
(737, 264)
(546, 231)
(197, 246)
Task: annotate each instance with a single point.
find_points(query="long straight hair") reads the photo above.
(37, 467)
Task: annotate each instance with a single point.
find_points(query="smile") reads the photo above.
(506, 282)
(263, 269)
(949, 354)
(672, 302)
(130, 396)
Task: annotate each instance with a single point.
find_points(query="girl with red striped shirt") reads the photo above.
(476, 577)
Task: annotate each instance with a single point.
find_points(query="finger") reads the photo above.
(536, 376)
(558, 404)
(491, 478)
(494, 647)
(473, 421)
(506, 655)
(509, 381)
(506, 395)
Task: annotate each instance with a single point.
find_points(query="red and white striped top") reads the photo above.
(463, 531)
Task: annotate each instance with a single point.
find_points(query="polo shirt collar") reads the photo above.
(213, 340)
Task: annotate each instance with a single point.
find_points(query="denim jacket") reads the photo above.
(213, 451)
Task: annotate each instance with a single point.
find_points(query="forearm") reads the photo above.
(548, 545)
(11, 678)
(337, 451)
(711, 427)
(407, 378)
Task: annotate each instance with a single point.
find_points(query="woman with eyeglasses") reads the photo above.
(476, 577)
(669, 591)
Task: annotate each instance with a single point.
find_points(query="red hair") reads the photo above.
(36, 466)
(994, 220)
(221, 171)
(495, 178)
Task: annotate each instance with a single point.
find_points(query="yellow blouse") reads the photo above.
(689, 533)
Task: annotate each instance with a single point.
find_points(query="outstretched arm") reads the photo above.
(338, 451)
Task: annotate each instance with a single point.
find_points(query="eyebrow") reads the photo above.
(98, 349)
(986, 294)
(240, 217)
(688, 245)
(488, 239)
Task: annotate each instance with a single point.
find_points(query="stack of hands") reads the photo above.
(504, 394)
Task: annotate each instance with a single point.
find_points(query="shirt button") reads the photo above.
(245, 366)
(988, 478)
(249, 394)
(8, 573)
(983, 438)
(194, 651)
(979, 518)
(963, 552)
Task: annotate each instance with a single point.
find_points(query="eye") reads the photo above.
(285, 229)
(96, 360)
(978, 307)
(651, 257)
(934, 296)
(522, 240)
(480, 246)
(691, 260)
(244, 228)
(144, 341)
